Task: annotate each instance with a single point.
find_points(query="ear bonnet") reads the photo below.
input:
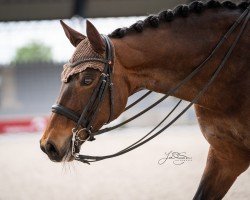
(84, 50)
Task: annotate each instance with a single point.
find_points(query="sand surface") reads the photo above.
(27, 174)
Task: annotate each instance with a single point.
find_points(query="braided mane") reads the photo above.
(168, 15)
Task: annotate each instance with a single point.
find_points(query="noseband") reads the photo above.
(84, 122)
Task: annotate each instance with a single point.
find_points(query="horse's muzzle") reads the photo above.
(52, 151)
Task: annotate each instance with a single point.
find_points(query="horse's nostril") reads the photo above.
(42, 148)
(52, 151)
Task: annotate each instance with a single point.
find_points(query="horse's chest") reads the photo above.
(221, 130)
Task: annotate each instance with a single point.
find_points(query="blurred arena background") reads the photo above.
(33, 50)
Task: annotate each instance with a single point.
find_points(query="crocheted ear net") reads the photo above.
(83, 50)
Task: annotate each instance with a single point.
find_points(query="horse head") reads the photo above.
(81, 77)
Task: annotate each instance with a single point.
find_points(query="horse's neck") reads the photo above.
(159, 58)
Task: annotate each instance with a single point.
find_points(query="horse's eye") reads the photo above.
(87, 81)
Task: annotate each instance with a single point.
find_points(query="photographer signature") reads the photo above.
(178, 158)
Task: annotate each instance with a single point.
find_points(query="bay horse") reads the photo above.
(156, 54)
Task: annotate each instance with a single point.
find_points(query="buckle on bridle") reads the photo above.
(104, 74)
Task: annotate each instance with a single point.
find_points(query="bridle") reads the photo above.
(84, 121)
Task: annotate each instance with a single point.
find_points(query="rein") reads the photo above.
(84, 121)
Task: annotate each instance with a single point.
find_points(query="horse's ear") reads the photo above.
(95, 38)
(74, 37)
